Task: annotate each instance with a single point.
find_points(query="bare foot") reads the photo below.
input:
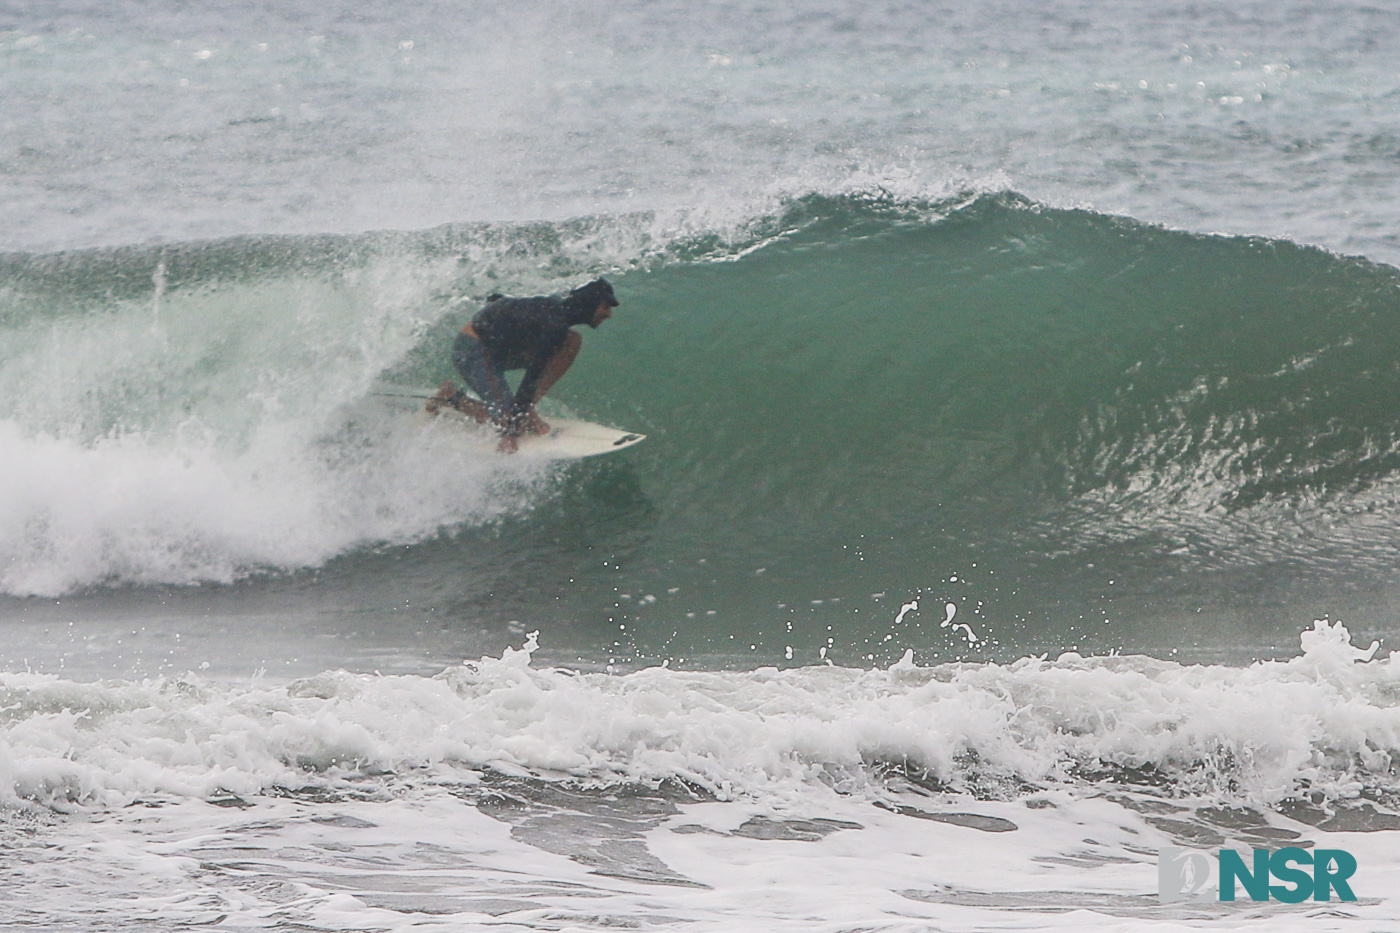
(536, 424)
(509, 444)
(446, 395)
(449, 396)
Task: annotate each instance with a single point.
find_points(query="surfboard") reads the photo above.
(568, 438)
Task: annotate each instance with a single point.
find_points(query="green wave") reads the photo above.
(999, 404)
(1080, 430)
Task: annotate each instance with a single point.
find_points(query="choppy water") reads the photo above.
(1019, 387)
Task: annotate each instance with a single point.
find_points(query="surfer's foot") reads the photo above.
(447, 394)
(536, 424)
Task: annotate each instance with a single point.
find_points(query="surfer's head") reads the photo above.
(593, 303)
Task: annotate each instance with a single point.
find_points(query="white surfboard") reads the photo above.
(568, 439)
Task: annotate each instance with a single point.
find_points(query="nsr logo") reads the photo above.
(1185, 874)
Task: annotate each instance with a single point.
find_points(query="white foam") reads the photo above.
(1325, 720)
(394, 820)
(424, 858)
(133, 510)
(220, 430)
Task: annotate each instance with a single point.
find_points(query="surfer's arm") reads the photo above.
(541, 375)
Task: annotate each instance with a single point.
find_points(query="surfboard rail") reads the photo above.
(567, 438)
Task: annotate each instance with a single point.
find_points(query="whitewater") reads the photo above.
(1017, 500)
(354, 801)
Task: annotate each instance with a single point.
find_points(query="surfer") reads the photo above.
(533, 334)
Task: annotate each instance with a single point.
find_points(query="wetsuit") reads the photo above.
(516, 333)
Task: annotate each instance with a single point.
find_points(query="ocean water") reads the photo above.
(1018, 499)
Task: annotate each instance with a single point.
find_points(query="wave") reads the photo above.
(849, 396)
(1321, 725)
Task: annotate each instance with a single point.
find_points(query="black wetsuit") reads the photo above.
(516, 333)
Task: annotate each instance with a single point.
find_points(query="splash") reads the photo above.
(951, 610)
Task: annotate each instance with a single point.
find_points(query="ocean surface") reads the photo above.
(1020, 492)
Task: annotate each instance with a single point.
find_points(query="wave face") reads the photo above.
(1069, 428)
